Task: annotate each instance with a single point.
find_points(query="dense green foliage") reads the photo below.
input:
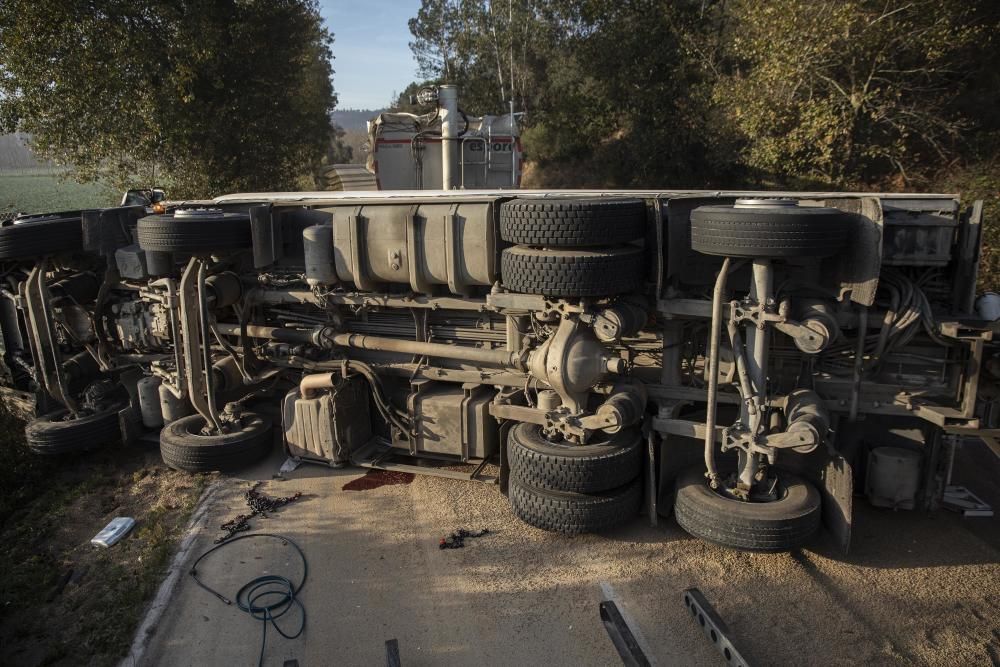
(214, 95)
(843, 93)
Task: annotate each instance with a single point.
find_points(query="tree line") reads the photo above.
(710, 93)
(203, 96)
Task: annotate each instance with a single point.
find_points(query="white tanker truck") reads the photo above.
(444, 149)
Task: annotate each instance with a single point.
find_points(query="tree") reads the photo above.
(479, 45)
(729, 93)
(611, 96)
(218, 95)
(852, 91)
(338, 151)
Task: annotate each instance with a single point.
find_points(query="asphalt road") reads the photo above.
(917, 588)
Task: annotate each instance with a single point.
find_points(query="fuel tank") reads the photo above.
(421, 245)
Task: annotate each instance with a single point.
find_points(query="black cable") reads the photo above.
(252, 596)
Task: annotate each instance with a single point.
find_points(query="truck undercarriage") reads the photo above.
(743, 359)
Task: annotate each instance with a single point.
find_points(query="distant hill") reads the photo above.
(14, 153)
(354, 119)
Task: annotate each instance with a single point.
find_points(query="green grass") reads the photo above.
(49, 190)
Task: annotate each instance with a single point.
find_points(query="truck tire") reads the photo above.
(607, 463)
(781, 525)
(40, 235)
(572, 222)
(572, 273)
(182, 446)
(57, 433)
(571, 513)
(771, 232)
(207, 232)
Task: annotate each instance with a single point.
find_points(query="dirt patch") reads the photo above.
(62, 600)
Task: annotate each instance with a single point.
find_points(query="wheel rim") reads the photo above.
(197, 427)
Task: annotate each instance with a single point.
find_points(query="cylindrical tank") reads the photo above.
(893, 477)
(317, 243)
(226, 374)
(149, 401)
(225, 287)
(172, 408)
(449, 244)
(988, 306)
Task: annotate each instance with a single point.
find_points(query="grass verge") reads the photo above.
(63, 601)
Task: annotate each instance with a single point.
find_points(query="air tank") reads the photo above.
(149, 401)
(317, 242)
(172, 407)
(893, 477)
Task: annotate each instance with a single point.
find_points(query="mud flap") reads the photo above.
(676, 453)
(504, 465)
(837, 489)
(834, 477)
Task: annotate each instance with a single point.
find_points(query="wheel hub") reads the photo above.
(768, 489)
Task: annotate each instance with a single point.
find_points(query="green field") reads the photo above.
(45, 190)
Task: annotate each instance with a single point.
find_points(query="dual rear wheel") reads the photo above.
(573, 248)
(567, 488)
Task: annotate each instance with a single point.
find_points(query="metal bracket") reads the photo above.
(414, 245)
(44, 350)
(452, 249)
(194, 338)
(756, 313)
(713, 626)
(621, 636)
(356, 228)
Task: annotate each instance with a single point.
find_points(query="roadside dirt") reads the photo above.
(64, 601)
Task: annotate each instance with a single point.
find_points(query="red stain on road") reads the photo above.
(376, 478)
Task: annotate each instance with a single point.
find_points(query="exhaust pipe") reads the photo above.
(448, 111)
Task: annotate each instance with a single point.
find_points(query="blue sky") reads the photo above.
(372, 58)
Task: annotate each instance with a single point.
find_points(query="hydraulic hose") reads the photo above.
(265, 598)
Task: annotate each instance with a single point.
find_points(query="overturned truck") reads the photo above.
(744, 360)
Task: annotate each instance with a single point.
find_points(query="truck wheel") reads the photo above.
(39, 235)
(572, 273)
(780, 525)
(572, 222)
(59, 433)
(605, 463)
(769, 231)
(183, 447)
(570, 513)
(195, 231)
